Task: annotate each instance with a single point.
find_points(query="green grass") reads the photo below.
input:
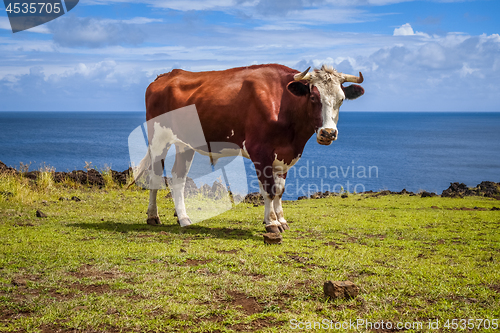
(95, 266)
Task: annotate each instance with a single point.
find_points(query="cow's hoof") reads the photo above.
(272, 238)
(284, 226)
(273, 228)
(184, 222)
(155, 220)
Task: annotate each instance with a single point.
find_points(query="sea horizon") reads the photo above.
(404, 150)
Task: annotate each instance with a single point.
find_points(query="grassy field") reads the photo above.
(95, 266)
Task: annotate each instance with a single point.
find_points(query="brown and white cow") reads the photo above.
(268, 111)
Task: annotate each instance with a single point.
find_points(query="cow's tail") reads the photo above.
(142, 169)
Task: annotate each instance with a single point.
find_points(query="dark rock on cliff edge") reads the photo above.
(485, 189)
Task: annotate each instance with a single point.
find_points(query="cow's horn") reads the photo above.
(352, 78)
(303, 76)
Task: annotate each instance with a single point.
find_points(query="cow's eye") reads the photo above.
(313, 98)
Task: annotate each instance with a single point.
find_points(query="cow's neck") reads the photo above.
(303, 129)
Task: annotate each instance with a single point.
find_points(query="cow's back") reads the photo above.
(229, 102)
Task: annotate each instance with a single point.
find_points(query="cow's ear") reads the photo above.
(353, 91)
(298, 89)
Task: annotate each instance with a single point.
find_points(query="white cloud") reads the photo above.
(404, 30)
(73, 31)
(407, 30)
(94, 62)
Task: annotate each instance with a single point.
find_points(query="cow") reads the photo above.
(268, 111)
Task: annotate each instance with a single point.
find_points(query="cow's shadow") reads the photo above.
(172, 229)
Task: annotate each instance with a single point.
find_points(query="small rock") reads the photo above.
(78, 308)
(426, 194)
(495, 208)
(18, 282)
(63, 198)
(183, 251)
(340, 289)
(75, 198)
(40, 214)
(345, 195)
(272, 238)
(242, 261)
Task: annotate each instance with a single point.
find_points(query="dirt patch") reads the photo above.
(24, 224)
(91, 288)
(89, 271)
(144, 236)
(299, 259)
(59, 296)
(333, 244)
(254, 276)
(256, 324)
(196, 262)
(378, 236)
(495, 287)
(468, 208)
(228, 251)
(249, 304)
(58, 328)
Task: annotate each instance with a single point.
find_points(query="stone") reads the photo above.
(426, 194)
(272, 238)
(40, 214)
(340, 289)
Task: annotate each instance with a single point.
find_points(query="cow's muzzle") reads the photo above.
(325, 136)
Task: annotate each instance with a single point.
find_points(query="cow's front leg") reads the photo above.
(183, 160)
(270, 218)
(263, 162)
(279, 181)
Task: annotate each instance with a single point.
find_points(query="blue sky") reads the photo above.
(441, 55)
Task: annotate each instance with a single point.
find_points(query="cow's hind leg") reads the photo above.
(153, 217)
(155, 182)
(183, 159)
(156, 175)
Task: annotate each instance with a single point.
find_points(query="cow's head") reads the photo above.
(326, 94)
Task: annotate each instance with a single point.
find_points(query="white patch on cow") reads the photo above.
(328, 82)
(232, 134)
(331, 100)
(162, 138)
(244, 151)
(177, 187)
(280, 167)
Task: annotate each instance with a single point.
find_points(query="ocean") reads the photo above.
(375, 150)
